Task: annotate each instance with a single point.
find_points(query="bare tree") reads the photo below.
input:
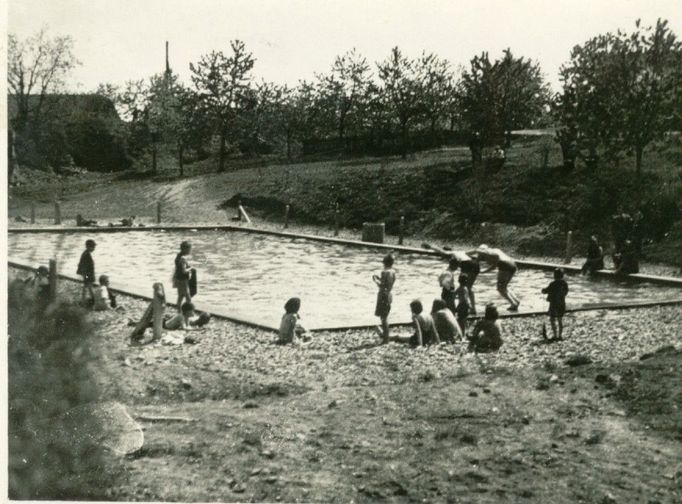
(37, 66)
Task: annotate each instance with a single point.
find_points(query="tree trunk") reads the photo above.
(507, 139)
(154, 159)
(288, 145)
(403, 134)
(181, 152)
(221, 158)
(638, 161)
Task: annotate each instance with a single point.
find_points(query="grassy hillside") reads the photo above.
(527, 205)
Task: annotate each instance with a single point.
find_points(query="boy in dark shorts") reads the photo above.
(556, 295)
(384, 281)
(467, 265)
(86, 269)
(506, 269)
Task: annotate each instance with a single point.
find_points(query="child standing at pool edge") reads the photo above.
(181, 274)
(385, 282)
(86, 269)
(556, 295)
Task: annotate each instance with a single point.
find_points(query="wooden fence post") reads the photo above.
(57, 213)
(569, 247)
(33, 213)
(244, 215)
(286, 216)
(158, 308)
(53, 279)
(402, 230)
(158, 212)
(337, 213)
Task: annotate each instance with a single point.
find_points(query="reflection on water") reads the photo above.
(251, 276)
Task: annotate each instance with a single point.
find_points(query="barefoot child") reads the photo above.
(506, 269)
(103, 296)
(425, 332)
(385, 282)
(466, 263)
(487, 333)
(556, 295)
(290, 329)
(181, 274)
(462, 297)
(186, 319)
(445, 322)
(86, 269)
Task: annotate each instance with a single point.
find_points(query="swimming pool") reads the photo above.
(250, 276)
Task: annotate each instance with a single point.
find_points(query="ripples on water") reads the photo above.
(251, 276)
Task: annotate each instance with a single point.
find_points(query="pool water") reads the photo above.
(251, 276)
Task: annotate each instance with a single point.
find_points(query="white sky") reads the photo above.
(117, 40)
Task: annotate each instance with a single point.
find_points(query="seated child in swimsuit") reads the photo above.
(187, 319)
(290, 329)
(103, 295)
(487, 333)
(446, 325)
(425, 330)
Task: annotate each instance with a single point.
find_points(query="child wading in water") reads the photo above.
(447, 283)
(556, 295)
(86, 269)
(463, 306)
(385, 282)
(290, 329)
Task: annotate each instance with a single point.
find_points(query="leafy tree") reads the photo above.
(343, 90)
(223, 84)
(402, 88)
(437, 88)
(626, 87)
(498, 97)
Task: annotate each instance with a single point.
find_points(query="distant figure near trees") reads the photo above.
(595, 257)
(506, 269)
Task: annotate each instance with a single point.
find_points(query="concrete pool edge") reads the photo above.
(259, 325)
(136, 295)
(640, 277)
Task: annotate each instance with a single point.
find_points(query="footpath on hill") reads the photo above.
(520, 210)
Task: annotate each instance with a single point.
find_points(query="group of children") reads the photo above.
(100, 297)
(449, 314)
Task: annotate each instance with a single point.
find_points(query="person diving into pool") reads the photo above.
(467, 265)
(506, 269)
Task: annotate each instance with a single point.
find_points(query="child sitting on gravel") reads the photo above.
(425, 332)
(487, 333)
(446, 325)
(187, 319)
(290, 329)
(103, 296)
(556, 295)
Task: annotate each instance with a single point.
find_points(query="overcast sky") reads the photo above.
(118, 40)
